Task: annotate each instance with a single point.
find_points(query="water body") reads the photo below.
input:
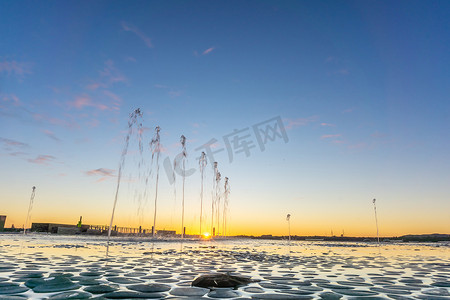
(55, 267)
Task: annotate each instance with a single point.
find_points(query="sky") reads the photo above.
(310, 108)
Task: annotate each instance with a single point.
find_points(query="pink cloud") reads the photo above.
(292, 123)
(10, 98)
(93, 86)
(327, 124)
(128, 27)
(51, 135)
(81, 102)
(55, 121)
(102, 172)
(207, 51)
(378, 134)
(338, 142)
(330, 136)
(116, 98)
(358, 146)
(42, 159)
(85, 101)
(93, 123)
(14, 143)
(15, 68)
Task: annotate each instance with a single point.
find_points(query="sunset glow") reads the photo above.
(309, 108)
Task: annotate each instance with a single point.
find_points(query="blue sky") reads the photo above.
(361, 87)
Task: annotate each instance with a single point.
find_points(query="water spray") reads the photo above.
(155, 146)
(288, 219)
(131, 121)
(225, 205)
(184, 153)
(212, 197)
(218, 178)
(202, 162)
(376, 220)
(30, 206)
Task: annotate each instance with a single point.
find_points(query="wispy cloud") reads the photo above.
(111, 73)
(116, 99)
(11, 98)
(358, 146)
(18, 153)
(330, 136)
(128, 27)
(19, 69)
(348, 110)
(85, 101)
(9, 142)
(209, 50)
(51, 135)
(378, 134)
(68, 122)
(130, 59)
(42, 159)
(173, 91)
(95, 85)
(102, 172)
(292, 123)
(327, 125)
(175, 94)
(109, 76)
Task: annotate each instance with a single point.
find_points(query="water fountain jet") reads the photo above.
(202, 162)
(212, 197)
(30, 206)
(376, 220)
(218, 178)
(184, 154)
(225, 205)
(288, 219)
(131, 121)
(155, 146)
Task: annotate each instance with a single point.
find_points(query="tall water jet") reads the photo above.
(288, 219)
(30, 206)
(225, 206)
(212, 197)
(155, 147)
(202, 164)
(184, 154)
(376, 220)
(217, 205)
(131, 121)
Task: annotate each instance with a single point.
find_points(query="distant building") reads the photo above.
(2, 222)
(166, 232)
(56, 228)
